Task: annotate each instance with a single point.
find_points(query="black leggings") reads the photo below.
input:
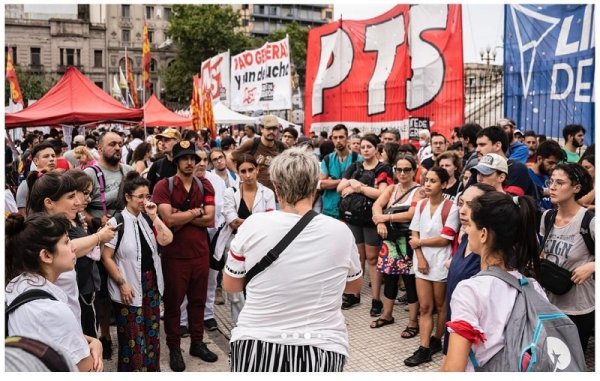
(390, 286)
(585, 327)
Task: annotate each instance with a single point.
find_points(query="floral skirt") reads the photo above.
(395, 257)
(138, 330)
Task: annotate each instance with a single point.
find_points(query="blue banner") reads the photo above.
(549, 55)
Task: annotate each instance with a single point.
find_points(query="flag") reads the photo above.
(195, 105)
(122, 80)
(146, 59)
(131, 82)
(11, 77)
(116, 91)
(208, 118)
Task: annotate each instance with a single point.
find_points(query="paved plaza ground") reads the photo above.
(371, 350)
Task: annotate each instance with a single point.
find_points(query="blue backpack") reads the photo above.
(538, 337)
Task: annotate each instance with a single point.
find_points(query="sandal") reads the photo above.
(409, 332)
(381, 322)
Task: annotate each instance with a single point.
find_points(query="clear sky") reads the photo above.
(483, 25)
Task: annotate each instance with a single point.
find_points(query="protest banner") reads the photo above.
(261, 78)
(214, 73)
(402, 69)
(549, 67)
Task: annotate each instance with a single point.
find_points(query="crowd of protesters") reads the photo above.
(127, 221)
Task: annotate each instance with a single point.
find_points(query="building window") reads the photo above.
(272, 11)
(151, 36)
(260, 9)
(244, 22)
(100, 85)
(125, 35)
(167, 12)
(245, 6)
(62, 57)
(149, 13)
(78, 51)
(153, 65)
(125, 11)
(36, 56)
(70, 57)
(98, 58)
(329, 15)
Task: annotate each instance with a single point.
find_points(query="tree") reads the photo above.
(298, 35)
(33, 86)
(199, 32)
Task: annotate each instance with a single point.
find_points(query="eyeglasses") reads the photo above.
(142, 196)
(559, 183)
(403, 170)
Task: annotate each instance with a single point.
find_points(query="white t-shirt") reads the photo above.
(67, 282)
(49, 321)
(485, 302)
(219, 188)
(431, 226)
(297, 300)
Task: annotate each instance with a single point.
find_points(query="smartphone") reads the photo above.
(116, 227)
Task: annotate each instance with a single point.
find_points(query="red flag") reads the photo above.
(195, 106)
(208, 118)
(146, 59)
(130, 80)
(11, 77)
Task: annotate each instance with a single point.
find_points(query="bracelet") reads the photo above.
(98, 244)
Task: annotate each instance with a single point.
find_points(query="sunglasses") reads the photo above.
(403, 170)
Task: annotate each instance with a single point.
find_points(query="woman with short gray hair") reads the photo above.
(292, 319)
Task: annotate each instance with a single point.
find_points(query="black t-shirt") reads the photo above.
(518, 181)
(159, 170)
(450, 193)
(428, 163)
(84, 267)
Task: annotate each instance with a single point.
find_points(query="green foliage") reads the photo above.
(199, 32)
(33, 86)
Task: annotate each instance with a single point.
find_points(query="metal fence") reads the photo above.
(484, 91)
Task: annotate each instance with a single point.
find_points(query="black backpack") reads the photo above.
(584, 229)
(357, 209)
(24, 298)
(119, 220)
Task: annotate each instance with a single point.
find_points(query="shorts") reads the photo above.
(365, 234)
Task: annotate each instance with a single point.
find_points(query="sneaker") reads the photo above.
(421, 355)
(176, 360)
(106, 348)
(376, 307)
(350, 301)
(202, 351)
(184, 331)
(210, 324)
(435, 345)
(219, 299)
(403, 299)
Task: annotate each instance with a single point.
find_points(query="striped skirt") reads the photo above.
(260, 356)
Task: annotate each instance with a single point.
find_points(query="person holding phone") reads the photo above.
(135, 276)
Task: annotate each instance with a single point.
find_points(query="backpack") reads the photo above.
(538, 337)
(121, 230)
(357, 209)
(129, 154)
(446, 207)
(186, 203)
(24, 298)
(102, 184)
(584, 229)
(280, 146)
(326, 159)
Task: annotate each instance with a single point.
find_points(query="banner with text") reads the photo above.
(402, 70)
(261, 78)
(214, 73)
(549, 67)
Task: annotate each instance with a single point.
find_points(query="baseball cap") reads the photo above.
(169, 133)
(270, 121)
(79, 140)
(183, 148)
(490, 163)
(518, 132)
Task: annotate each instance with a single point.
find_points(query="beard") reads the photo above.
(112, 160)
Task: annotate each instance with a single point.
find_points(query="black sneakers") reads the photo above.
(349, 301)
(421, 355)
(376, 307)
(176, 360)
(210, 324)
(202, 351)
(184, 331)
(435, 345)
(106, 348)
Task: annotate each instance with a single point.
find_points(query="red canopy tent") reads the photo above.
(157, 115)
(74, 100)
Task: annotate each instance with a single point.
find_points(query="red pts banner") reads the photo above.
(403, 70)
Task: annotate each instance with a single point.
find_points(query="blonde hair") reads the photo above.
(83, 151)
(295, 173)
